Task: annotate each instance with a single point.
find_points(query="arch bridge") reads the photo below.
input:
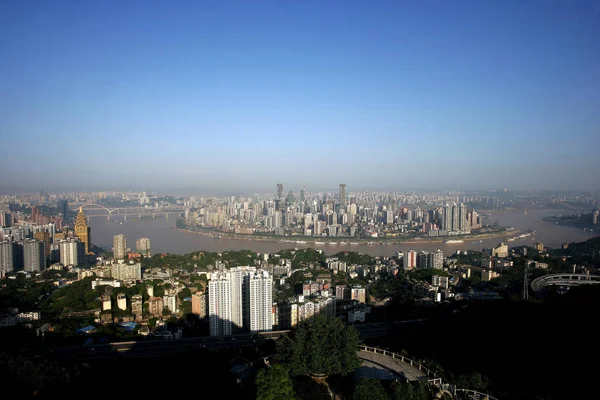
(94, 205)
(539, 284)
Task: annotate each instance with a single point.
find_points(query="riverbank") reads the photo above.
(506, 233)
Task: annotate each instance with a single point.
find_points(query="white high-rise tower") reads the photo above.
(260, 296)
(219, 304)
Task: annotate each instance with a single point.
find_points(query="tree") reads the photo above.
(274, 383)
(320, 346)
(369, 389)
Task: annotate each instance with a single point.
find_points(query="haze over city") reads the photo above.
(238, 96)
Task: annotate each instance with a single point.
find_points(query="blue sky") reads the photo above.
(238, 96)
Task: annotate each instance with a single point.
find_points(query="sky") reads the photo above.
(237, 96)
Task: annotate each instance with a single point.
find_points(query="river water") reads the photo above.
(163, 239)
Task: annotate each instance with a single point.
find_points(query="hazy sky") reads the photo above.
(241, 95)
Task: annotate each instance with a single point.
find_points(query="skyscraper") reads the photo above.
(119, 246)
(302, 194)
(63, 208)
(240, 298)
(71, 251)
(219, 304)
(260, 298)
(82, 230)
(34, 258)
(279, 190)
(343, 195)
(142, 246)
(463, 218)
(7, 258)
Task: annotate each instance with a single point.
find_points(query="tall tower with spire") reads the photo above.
(82, 230)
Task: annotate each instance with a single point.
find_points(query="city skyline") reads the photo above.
(214, 97)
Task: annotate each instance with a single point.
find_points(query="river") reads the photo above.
(163, 239)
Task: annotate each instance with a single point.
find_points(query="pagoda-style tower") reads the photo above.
(82, 230)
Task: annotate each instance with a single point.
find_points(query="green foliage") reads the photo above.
(302, 258)
(387, 286)
(185, 307)
(410, 391)
(274, 383)
(370, 389)
(24, 376)
(77, 297)
(355, 258)
(307, 388)
(320, 346)
(426, 273)
(185, 292)
(474, 381)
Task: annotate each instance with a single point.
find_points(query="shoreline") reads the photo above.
(348, 241)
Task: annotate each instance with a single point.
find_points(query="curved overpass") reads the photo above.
(539, 284)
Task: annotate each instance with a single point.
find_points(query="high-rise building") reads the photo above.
(35, 214)
(119, 246)
(82, 230)
(142, 246)
(259, 295)
(45, 238)
(126, 271)
(447, 218)
(302, 194)
(343, 196)
(435, 259)
(279, 191)
(219, 304)
(199, 304)
(359, 294)
(463, 218)
(34, 258)
(410, 259)
(455, 218)
(71, 251)
(7, 258)
(63, 208)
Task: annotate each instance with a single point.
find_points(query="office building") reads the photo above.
(63, 209)
(142, 246)
(343, 196)
(119, 246)
(83, 231)
(279, 191)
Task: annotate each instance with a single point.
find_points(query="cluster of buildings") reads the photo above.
(241, 299)
(12, 317)
(31, 247)
(334, 215)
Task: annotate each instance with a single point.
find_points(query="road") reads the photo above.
(145, 348)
